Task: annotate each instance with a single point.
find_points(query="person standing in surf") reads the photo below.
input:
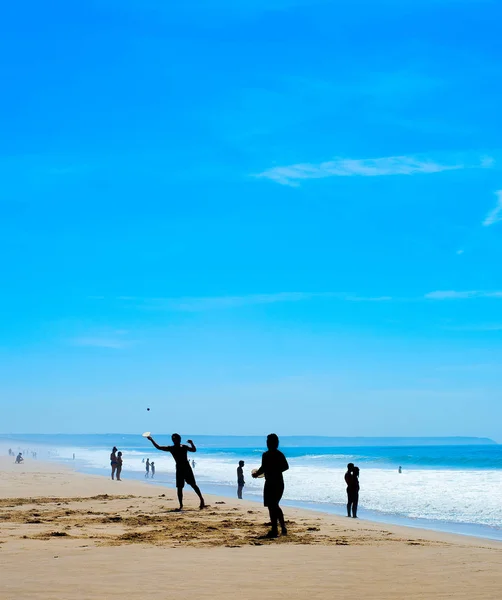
(273, 465)
(184, 473)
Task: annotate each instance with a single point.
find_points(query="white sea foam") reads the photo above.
(455, 495)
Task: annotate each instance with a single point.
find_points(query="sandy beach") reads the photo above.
(65, 535)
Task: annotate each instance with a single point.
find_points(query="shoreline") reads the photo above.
(470, 529)
(473, 530)
(66, 535)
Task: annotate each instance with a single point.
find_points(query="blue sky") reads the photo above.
(251, 216)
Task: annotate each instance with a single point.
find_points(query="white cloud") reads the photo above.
(196, 304)
(114, 340)
(368, 299)
(495, 215)
(454, 295)
(369, 167)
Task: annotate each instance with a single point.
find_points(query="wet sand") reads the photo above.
(66, 535)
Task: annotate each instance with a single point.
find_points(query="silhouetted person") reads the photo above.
(240, 479)
(348, 481)
(400, 470)
(147, 467)
(273, 465)
(152, 468)
(184, 473)
(193, 464)
(19, 458)
(113, 461)
(119, 465)
(353, 493)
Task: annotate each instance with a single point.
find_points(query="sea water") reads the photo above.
(455, 488)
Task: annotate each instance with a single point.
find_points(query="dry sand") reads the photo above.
(65, 536)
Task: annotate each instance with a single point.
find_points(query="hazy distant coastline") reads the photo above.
(230, 441)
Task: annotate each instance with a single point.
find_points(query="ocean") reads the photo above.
(448, 487)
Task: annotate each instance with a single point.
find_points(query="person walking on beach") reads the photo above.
(273, 465)
(119, 465)
(19, 458)
(152, 468)
(113, 461)
(240, 479)
(147, 467)
(184, 472)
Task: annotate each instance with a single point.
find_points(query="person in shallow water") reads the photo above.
(348, 481)
(273, 465)
(184, 473)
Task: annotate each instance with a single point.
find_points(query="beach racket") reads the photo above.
(147, 434)
(256, 471)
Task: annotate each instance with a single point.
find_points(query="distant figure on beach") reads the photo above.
(10, 452)
(193, 464)
(119, 465)
(240, 479)
(147, 467)
(74, 456)
(273, 465)
(400, 470)
(113, 461)
(19, 458)
(184, 473)
(152, 467)
(349, 480)
(352, 481)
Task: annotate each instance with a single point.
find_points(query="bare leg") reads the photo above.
(180, 497)
(114, 468)
(119, 471)
(282, 523)
(198, 492)
(272, 510)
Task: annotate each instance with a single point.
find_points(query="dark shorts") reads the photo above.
(185, 475)
(272, 492)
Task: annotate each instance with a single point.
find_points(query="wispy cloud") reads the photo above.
(461, 295)
(495, 215)
(368, 167)
(196, 304)
(115, 340)
(476, 327)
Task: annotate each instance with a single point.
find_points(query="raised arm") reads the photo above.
(191, 447)
(163, 448)
(260, 471)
